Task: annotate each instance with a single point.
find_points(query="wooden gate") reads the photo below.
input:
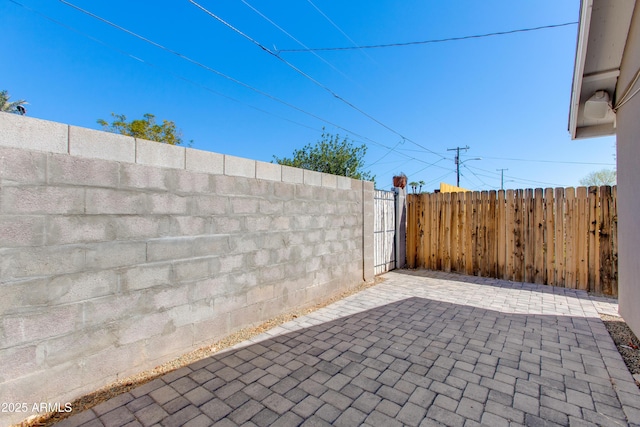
(384, 232)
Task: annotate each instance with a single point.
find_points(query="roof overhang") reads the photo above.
(602, 36)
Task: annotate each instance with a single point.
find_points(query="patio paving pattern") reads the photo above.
(420, 349)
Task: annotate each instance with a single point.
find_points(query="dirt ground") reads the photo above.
(627, 343)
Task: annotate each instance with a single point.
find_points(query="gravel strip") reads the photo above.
(627, 343)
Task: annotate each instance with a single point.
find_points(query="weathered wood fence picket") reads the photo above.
(560, 237)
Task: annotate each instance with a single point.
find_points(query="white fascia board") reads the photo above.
(586, 7)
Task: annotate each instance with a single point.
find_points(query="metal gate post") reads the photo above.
(401, 227)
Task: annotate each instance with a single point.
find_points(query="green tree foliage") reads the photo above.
(601, 177)
(330, 155)
(7, 106)
(145, 128)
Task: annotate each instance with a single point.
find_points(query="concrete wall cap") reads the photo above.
(33, 134)
(97, 144)
(158, 154)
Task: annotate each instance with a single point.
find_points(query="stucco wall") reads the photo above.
(118, 254)
(628, 159)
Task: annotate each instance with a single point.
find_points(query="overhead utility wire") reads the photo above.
(450, 39)
(522, 180)
(207, 68)
(394, 148)
(496, 175)
(439, 178)
(516, 178)
(245, 85)
(266, 18)
(474, 174)
(246, 3)
(333, 23)
(432, 164)
(151, 64)
(627, 95)
(386, 154)
(547, 161)
(410, 158)
(222, 75)
(339, 29)
(531, 160)
(307, 76)
(296, 69)
(290, 65)
(226, 77)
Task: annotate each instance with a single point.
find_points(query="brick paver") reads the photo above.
(422, 348)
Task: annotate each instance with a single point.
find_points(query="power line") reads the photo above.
(233, 80)
(218, 73)
(410, 157)
(293, 67)
(428, 165)
(431, 165)
(415, 159)
(305, 75)
(292, 37)
(245, 85)
(386, 154)
(547, 161)
(151, 64)
(532, 160)
(272, 97)
(474, 174)
(518, 179)
(394, 148)
(333, 23)
(450, 39)
(355, 45)
(440, 177)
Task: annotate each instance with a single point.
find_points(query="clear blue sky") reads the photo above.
(506, 97)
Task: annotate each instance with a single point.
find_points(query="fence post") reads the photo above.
(559, 266)
(539, 267)
(549, 235)
(593, 247)
(501, 236)
(401, 227)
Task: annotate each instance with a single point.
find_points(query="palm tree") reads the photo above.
(16, 107)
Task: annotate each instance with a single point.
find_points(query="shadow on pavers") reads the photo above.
(398, 364)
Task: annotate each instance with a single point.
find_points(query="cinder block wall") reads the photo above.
(118, 254)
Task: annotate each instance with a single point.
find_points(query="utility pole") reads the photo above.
(457, 160)
(502, 177)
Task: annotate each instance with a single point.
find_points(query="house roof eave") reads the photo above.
(602, 36)
(578, 69)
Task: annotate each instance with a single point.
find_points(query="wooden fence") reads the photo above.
(560, 237)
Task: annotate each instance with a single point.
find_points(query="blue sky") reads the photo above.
(506, 97)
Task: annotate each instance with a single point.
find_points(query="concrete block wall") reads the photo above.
(119, 254)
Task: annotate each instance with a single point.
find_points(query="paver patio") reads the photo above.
(420, 349)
